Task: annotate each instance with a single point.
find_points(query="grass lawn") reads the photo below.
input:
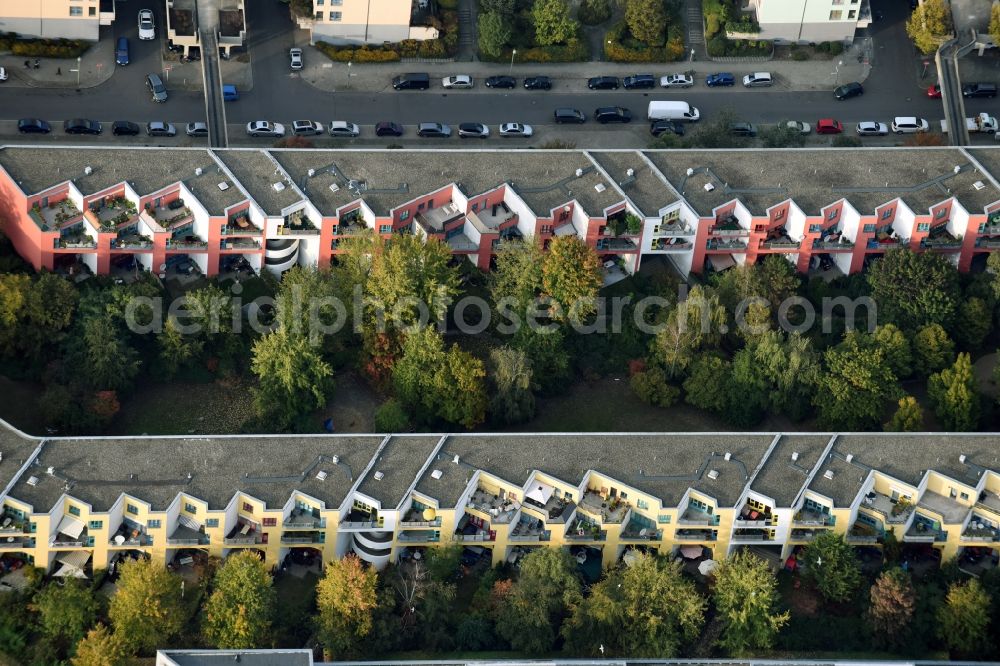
(297, 601)
(21, 407)
(181, 408)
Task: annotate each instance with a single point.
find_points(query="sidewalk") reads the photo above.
(329, 76)
(96, 67)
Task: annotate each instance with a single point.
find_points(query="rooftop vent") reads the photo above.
(311, 173)
(795, 456)
(961, 458)
(456, 459)
(957, 169)
(336, 460)
(50, 470)
(728, 456)
(849, 457)
(88, 170)
(278, 187)
(223, 186)
(828, 475)
(198, 171)
(321, 475)
(600, 187)
(709, 187)
(32, 480)
(690, 171)
(436, 474)
(979, 185)
(379, 476)
(713, 474)
(630, 172)
(334, 187)
(579, 173)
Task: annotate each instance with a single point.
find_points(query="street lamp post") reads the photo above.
(348, 75)
(78, 60)
(512, 54)
(839, 64)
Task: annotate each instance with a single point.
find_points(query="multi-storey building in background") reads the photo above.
(52, 19)
(79, 209)
(76, 505)
(803, 21)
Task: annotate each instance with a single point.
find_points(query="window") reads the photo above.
(76, 11)
(546, 229)
(95, 525)
(475, 207)
(91, 11)
(132, 508)
(837, 2)
(869, 228)
(405, 215)
(923, 226)
(335, 16)
(153, 524)
(663, 519)
(941, 213)
(964, 496)
(90, 541)
(836, 15)
(815, 228)
(74, 510)
(623, 495)
(212, 522)
(780, 214)
(385, 228)
(853, 14)
(833, 214)
(982, 228)
(319, 3)
(248, 507)
(430, 204)
(336, 3)
(190, 508)
(319, 16)
(642, 504)
(270, 522)
(887, 213)
(32, 527)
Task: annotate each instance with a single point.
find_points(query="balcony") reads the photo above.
(671, 225)
(239, 244)
(696, 535)
(988, 243)
(752, 517)
(186, 242)
(419, 535)
(807, 518)
(804, 535)
(475, 538)
(611, 510)
(185, 536)
(671, 244)
(131, 242)
(529, 529)
(981, 529)
(11, 524)
(415, 518)
(175, 214)
(303, 519)
(606, 244)
(895, 512)
(351, 224)
(990, 501)
(941, 240)
(556, 509)
(112, 214)
(696, 516)
(298, 538)
(862, 533)
(129, 534)
(641, 529)
(78, 239)
(500, 510)
(728, 226)
(751, 535)
(779, 243)
(461, 243)
(496, 216)
(434, 220)
(725, 244)
(582, 529)
(240, 224)
(58, 215)
(924, 530)
(298, 224)
(361, 520)
(833, 242)
(17, 542)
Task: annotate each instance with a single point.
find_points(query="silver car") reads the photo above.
(676, 81)
(306, 128)
(147, 28)
(196, 129)
(265, 128)
(295, 56)
(872, 128)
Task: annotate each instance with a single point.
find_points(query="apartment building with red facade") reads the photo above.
(95, 209)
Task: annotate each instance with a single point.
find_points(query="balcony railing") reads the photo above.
(76, 243)
(725, 244)
(242, 540)
(779, 244)
(586, 536)
(186, 542)
(988, 243)
(359, 524)
(833, 245)
(419, 536)
(300, 539)
(694, 535)
(861, 538)
(474, 537)
(67, 544)
(421, 523)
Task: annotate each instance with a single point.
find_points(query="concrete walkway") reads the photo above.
(695, 34)
(468, 20)
(96, 67)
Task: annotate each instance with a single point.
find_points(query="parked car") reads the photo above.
(82, 126)
(295, 58)
(412, 81)
(265, 128)
(758, 80)
(612, 114)
(33, 126)
(196, 129)
(501, 82)
(934, 91)
(639, 82)
(516, 129)
(434, 130)
(342, 128)
(459, 81)
(829, 126)
(568, 115)
(658, 127)
(799, 126)
(872, 128)
(306, 128)
(537, 83)
(720, 79)
(121, 51)
(125, 128)
(387, 128)
(473, 131)
(676, 81)
(849, 90)
(160, 128)
(147, 26)
(743, 129)
(156, 87)
(603, 83)
(979, 90)
(3, 74)
(230, 93)
(909, 125)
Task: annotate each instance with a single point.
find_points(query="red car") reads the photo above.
(934, 91)
(828, 126)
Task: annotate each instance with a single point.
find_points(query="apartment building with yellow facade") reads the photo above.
(73, 506)
(52, 19)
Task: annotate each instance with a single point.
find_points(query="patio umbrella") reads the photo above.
(630, 557)
(691, 552)
(706, 567)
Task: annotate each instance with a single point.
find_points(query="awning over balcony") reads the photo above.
(72, 564)
(691, 552)
(71, 527)
(568, 229)
(540, 493)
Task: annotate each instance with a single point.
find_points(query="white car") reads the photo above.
(344, 128)
(676, 81)
(3, 73)
(872, 128)
(515, 129)
(457, 81)
(147, 28)
(295, 55)
(306, 128)
(909, 125)
(799, 126)
(265, 128)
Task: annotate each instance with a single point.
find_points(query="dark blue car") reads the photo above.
(720, 79)
(121, 51)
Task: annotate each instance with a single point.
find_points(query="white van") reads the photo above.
(672, 111)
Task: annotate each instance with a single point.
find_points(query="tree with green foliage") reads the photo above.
(973, 322)
(908, 417)
(443, 562)
(240, 610)
(293, 378)
(391, 417)
(410, 270)
(651, 386)
(893, 602)
(994, 28)
(855, 384)
(782, 135)
(746, 600)
(14, 290)
(954, 395)
(511, 398)
(707, 387)
(99, 647)
(594, 12)
(66, 611)
(572, 276)
(791, 368)
(48, 311)
(832, 566)
(546, 351)
(647, 21)
(552, 22)
(494, 32)
(103, 356)
(933, 350)
(930, 25)
(692, 326)
(518, 275)
(502, 7)
(661, 608)
(914, 289)
(147, 610)
(963, 620)
(305, 304)
(896, 345)
(176, 350)
(531, 616)
(346, 599)
(432, 382)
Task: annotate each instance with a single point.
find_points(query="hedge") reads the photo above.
(444, 46)
(616, 51)
(594, 12)
(573, 51)
(44, 48)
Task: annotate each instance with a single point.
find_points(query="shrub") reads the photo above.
(711, 25)
(651, 387)
(391, 417)
(800, 55)
(620, 46)
(49, 48)
(846, 142)
(592, 12)
(717, 46)
(447, 4)
(836, 48)
(823, 47)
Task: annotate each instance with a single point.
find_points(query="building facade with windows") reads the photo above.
(804, 21)
(71, 506)
(365, 21)
(98, 209)
(54, 19)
